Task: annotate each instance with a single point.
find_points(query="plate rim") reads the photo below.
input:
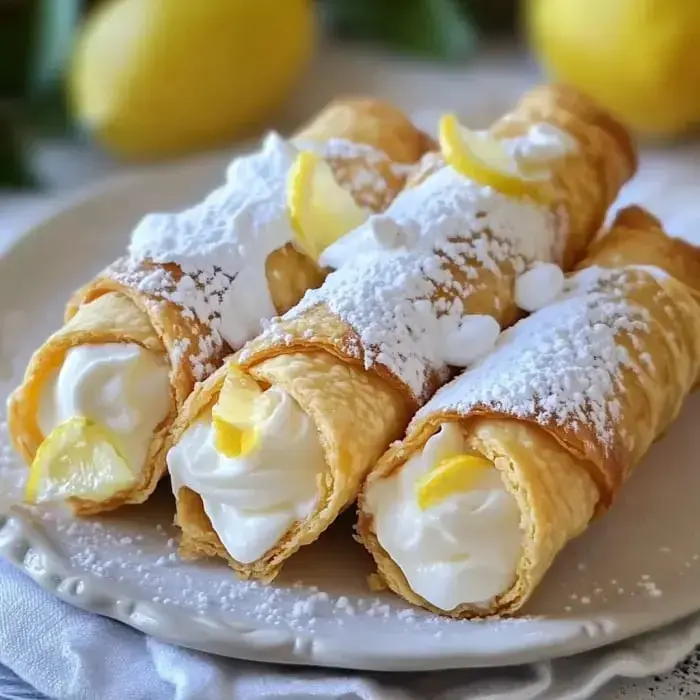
(25, 547)
(60, 203)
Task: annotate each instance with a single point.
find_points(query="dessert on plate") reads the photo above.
(269, 449)
(357, 285)
(516, 456)
(100, 395)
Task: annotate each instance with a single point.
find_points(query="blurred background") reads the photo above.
(88, 85)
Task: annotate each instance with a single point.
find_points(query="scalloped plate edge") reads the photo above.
(24, 545)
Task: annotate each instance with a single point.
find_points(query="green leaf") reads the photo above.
(438, 27)
(36, 41)
(15, 48)
(45, 109)
(56, 25)
(14, 166)
(493, 16)
(48, 113)
(434, 28)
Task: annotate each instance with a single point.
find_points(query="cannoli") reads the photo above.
(517, 455)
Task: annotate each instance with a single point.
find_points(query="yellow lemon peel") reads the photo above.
(78, 459)
(127, 52)
(449, 476)
(241, 405)
(232, 441)
(640, 68)
(237, 397)
(320, 210)
(486, 161)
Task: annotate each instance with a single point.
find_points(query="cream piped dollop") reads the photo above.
(475, 337)
(544, 142)
(464, 549)
(539, 286)
(121, 386)
(253, 500)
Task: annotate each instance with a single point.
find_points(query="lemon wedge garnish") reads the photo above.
(321, 211)
(237, 397)
(450, 475)
(232, 441)
(240, 406)
(77, 460)
(488, 162)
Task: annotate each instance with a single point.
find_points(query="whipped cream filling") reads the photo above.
(539, 286)
(464, 549)
(475, 337)
(121, 386)
(253, 500)
(542, 143)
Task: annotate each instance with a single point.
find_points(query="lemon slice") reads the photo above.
(486, 160)
(450, 475)
(237, 397)
(240, 406)
(77, 460)
(321, 211)
(232, 441)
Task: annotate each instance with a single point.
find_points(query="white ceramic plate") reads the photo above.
(636, 569)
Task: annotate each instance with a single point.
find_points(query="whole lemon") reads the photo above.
(639, 58)
(156, 77)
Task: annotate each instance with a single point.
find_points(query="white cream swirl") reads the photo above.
(543, 143)
(121, 386)
(464, 549)
(252, 501)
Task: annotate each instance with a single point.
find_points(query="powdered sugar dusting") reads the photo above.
(563, 363)
(163, 285)
(221, 245)
(344, 149)
(146, 558)
(449, 206)
(402, 302)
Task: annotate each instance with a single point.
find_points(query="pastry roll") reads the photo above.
(272, 447)
(194, 286)
(514, 457)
